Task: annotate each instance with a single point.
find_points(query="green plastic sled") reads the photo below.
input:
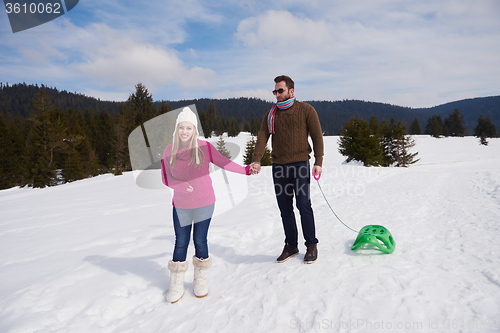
(374, 234)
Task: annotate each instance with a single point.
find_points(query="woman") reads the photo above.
(185, 169)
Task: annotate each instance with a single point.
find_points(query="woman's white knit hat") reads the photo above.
(187, 115)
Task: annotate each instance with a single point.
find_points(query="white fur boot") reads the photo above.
(177, 271)
(200, 283)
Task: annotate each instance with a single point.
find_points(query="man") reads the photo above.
(290, 122)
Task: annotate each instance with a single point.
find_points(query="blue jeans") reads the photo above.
(291, 180)
(183, 223)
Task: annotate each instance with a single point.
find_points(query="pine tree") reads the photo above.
(234, 128)
(138, 109)
(404, 157)
(435, 126)
(58, 134)
(395, 145)
(90, 162)
(389, 135)
(484, 129)
(12, 148)
(205, 124)
(374, 126)
(141, 106)
(400, 144)
(357, 143)
(79, 139)
(455, 124)
(266, 157)
(106, 133)
(249, 149)
(120, 159)
(100, 133)
(4, 155)
(221, 147)
(246, 127)
(389, 146)
(73, 167)
(216, 124)
(45, 135)
(415, 127)
(255, 124)
(165, 107)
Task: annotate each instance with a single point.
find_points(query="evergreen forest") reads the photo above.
(49, 137)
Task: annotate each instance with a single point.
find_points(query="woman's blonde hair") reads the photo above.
(175, 149)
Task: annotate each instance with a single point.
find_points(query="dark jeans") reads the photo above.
(183, 223)
(289, 180)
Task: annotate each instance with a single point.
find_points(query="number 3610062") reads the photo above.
(33, 8)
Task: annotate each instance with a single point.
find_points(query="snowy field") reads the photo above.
(91, 256)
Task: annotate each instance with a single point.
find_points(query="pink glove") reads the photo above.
(247, 170)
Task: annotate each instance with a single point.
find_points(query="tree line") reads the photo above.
(454, 125)
(59, 137)
(52, 145)
(18, 99)
(377, 144)
(388, 143)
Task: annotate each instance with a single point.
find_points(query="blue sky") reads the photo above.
(408, 53)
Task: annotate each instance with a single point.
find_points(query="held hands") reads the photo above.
(255, 168)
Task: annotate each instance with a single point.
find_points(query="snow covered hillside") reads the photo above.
(91, 256)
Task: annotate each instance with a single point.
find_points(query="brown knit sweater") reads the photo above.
(290, 141)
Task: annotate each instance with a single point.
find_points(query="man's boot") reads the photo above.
(311, 254)
(287, 253)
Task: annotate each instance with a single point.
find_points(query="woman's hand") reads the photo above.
(255, 168)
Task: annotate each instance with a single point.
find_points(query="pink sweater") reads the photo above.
(184, 175)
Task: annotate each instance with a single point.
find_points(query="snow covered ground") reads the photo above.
(91, 256)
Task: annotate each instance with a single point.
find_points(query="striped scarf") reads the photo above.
(272, 114)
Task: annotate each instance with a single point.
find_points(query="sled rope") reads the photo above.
(338, 218)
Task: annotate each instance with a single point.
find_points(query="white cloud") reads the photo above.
(104, 57)
(117, 59)
(391, 51)
(158, 21)
(422, 52)
(133, 43)
(282, 30)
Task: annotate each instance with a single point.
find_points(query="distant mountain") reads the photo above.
(471, 109)
(18, 99)
(341, 111)
(333, 115)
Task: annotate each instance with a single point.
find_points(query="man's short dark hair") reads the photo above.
(288, 81)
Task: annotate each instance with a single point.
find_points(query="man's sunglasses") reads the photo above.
(280, 90)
